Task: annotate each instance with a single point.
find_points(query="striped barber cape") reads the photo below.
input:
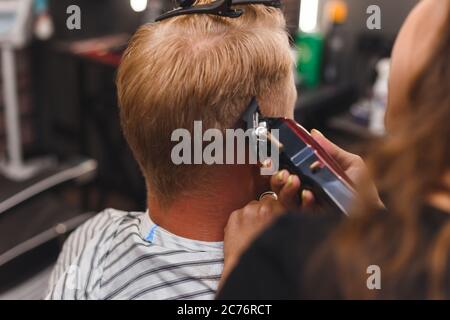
(124, 255)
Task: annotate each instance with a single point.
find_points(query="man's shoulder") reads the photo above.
(108, 218)
(114, 215)
(104, 227)
(87, 247)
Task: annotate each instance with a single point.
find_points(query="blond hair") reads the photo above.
(199, 67)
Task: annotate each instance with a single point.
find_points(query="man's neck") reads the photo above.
(204, 215)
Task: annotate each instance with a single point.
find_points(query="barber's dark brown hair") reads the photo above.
(407, 167)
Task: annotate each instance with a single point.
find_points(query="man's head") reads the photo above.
(199, 67)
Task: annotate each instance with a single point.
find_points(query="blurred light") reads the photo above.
(309, 10)
(138, 5)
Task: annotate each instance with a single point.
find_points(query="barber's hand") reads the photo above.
(244, 225)
(287, 187)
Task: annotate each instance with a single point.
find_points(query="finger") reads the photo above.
(268, 199)
(268, 194)
(344, 158)
(271, 206)
(288, 196)
(278, 180)
(307, 200)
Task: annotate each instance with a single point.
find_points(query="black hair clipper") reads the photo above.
(301, 155)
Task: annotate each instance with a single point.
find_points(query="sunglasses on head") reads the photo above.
(222, 8)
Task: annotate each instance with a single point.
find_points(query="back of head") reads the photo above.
(199, 67)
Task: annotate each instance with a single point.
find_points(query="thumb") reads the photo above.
(343, 158)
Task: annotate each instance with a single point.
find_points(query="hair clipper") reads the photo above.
(301, 155)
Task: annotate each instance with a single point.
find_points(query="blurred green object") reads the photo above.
(310, 50)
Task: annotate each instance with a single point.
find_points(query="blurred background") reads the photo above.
(62, 154)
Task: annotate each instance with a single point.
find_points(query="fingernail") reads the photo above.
(280, 176)
(317, 132)
(303, 195)
(289, 181)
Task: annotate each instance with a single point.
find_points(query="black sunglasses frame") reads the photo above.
(220, 8)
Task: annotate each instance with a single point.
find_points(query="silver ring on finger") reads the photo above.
(268, 194)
